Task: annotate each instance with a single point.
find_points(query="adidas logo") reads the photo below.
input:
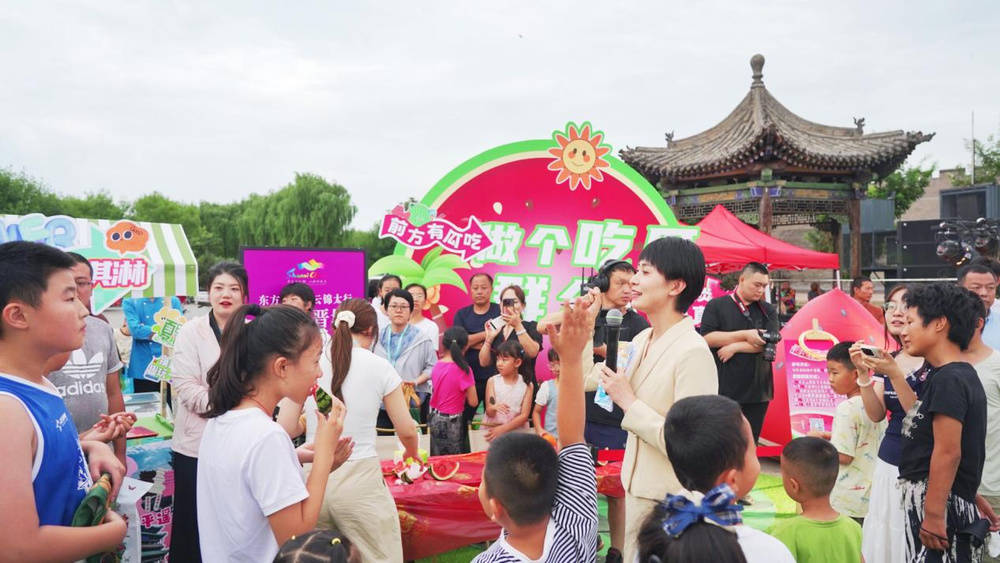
(79, 367)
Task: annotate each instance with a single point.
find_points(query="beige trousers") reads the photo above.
(636, 510)
(358, 504)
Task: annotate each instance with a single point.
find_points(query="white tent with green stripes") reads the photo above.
(129, 258)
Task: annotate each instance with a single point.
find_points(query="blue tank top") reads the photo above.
(892, 445)
(59, 475)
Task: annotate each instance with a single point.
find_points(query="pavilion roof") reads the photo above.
(760, 129)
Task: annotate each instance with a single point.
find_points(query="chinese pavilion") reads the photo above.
(771, 167)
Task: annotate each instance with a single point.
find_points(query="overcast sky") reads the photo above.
(215, 100)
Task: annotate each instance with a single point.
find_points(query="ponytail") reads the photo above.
(246, 347)
(455, 340)
(354, 316)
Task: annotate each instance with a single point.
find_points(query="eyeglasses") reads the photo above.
(398, 307)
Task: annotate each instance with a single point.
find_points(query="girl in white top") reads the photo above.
(251, 494)
(357, 501)
(196, 350)
(509, 393)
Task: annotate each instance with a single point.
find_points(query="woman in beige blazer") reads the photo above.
(668, 361)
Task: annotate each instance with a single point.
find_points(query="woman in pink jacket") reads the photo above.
(196, 350)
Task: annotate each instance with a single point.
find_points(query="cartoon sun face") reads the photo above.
(578, 157)
(126, 236)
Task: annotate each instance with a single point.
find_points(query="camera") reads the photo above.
(771, 339)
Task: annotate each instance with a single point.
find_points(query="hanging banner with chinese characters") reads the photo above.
(128, 258)
(800, 378)
(334, 275)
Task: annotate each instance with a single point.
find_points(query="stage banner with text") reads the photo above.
(335, 275)
(542, 214)
(803, 400)
(712, 289)
(129, 258)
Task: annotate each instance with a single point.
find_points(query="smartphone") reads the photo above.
(496, 324)
(509, 302)
(870, 350)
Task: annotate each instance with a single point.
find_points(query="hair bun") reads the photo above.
(255, 310)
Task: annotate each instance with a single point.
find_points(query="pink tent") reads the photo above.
(728, 244)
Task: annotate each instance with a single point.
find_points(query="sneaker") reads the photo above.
(746, 501)
(613, 556)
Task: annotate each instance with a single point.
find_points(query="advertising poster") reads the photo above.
(335, 275)
(130, 259)
(802, 397)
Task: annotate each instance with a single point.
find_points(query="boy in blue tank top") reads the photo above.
(44, 474)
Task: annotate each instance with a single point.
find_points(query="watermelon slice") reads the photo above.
(443, 470)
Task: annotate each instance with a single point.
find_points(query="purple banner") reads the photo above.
(334, 276)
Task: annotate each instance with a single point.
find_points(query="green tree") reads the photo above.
(97, 205)
(21, 195)
(158, 208)
(905, 186)
(375, 248)
(987, 163)
(307, 212)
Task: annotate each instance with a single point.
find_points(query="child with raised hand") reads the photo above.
(547, 503)
(251, 494)
(509, 392)
(454, 387)
(548, 397)
(44, 475)
(809, 468)
(854, 435)
(712, 451)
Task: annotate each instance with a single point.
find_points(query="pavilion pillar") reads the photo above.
(854, 218)
(766, 212)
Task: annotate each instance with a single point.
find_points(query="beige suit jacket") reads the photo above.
(679, 364)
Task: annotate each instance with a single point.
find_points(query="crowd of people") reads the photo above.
(909, 471)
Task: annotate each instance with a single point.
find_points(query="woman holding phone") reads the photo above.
(902, 377)
(511, 326)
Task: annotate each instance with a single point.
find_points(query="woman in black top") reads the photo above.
(511, 326)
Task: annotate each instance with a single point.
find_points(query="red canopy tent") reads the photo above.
(728, 244)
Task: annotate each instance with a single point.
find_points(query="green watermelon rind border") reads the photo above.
(635, 180)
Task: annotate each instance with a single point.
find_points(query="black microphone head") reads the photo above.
(614, 318)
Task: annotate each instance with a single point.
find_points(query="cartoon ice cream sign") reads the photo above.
(117, 254)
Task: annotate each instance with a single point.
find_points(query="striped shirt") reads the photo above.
(571, 535)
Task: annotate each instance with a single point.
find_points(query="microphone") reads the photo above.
(614, 322)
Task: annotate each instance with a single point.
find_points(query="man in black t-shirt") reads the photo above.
(731, 325)
(473, 319)
(944, 433)
(604, 428)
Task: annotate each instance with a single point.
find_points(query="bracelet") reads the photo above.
(522, 331)
(871, 381)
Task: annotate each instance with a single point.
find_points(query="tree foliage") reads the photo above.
(987, 163)
(905, 186)
(308, 212)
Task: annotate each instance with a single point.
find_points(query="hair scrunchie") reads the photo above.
(345, 316)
